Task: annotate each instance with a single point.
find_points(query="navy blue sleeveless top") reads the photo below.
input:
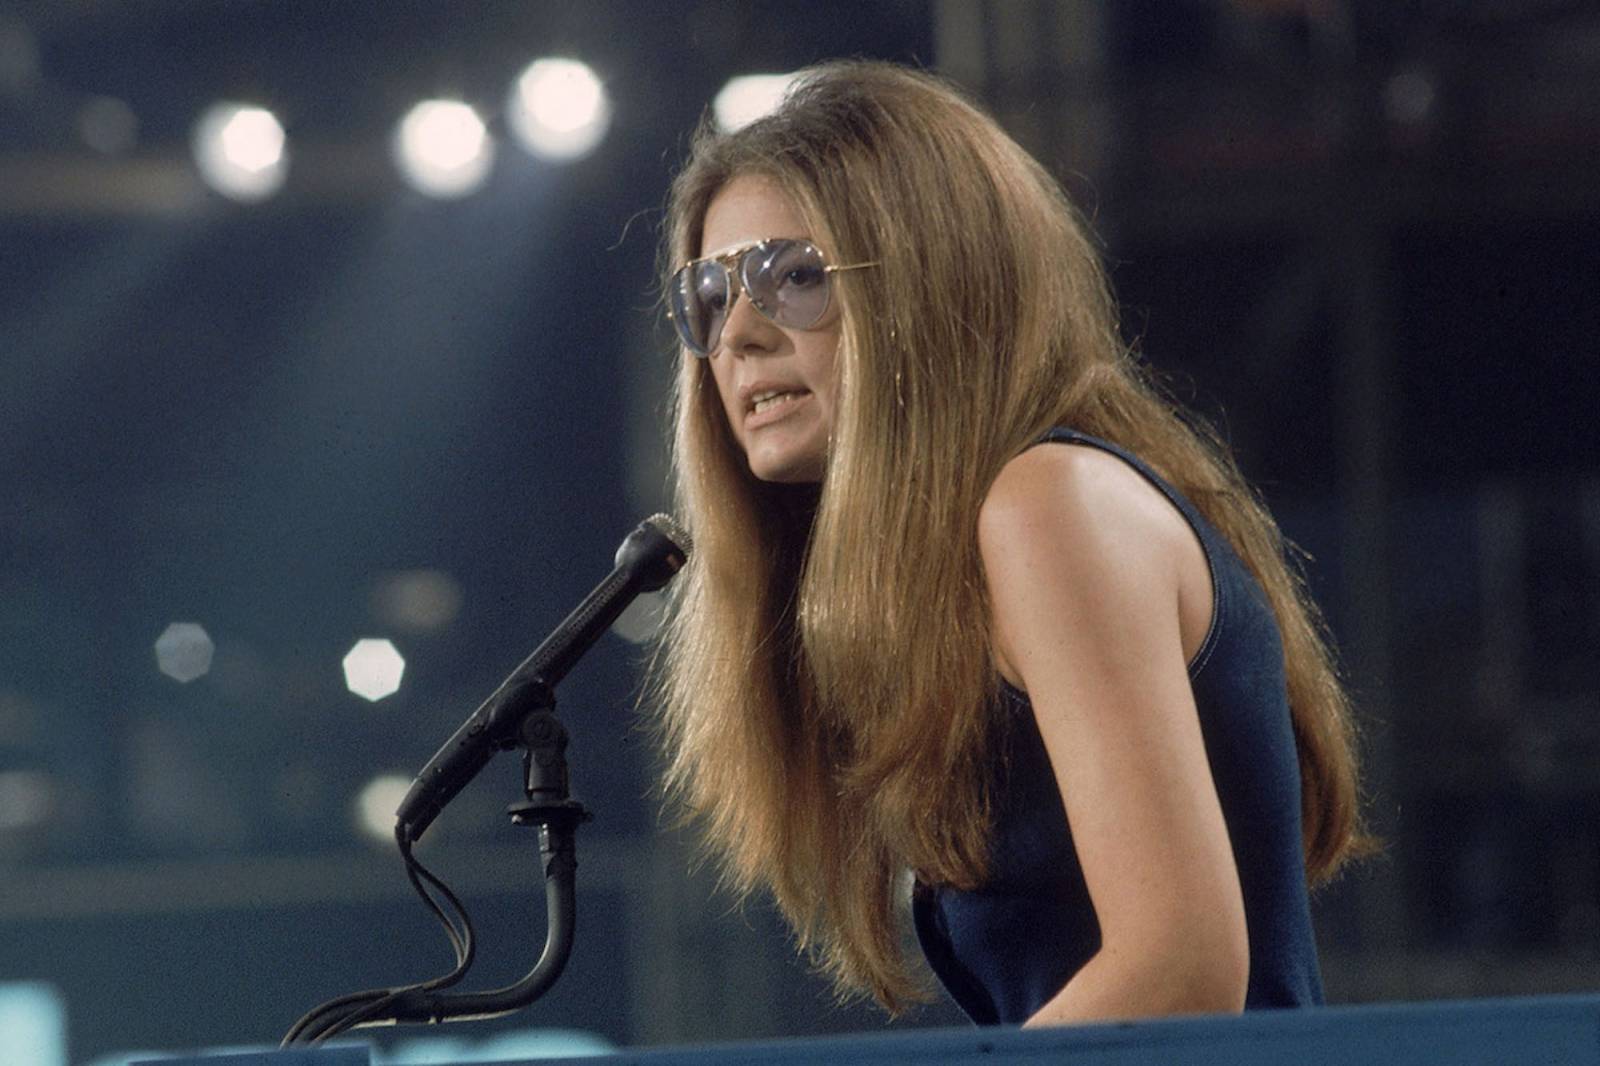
(1006, 948)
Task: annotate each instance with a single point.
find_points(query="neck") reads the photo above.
(798, 502)
(792, 510)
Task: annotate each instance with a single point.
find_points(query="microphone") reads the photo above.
(646, 560)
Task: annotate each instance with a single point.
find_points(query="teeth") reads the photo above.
(771, 399)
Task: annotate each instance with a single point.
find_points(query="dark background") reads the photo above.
(1360, 237)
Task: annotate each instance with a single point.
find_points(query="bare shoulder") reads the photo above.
(1053, 491)
(1074, 534)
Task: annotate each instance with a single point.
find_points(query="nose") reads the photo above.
(747, 331)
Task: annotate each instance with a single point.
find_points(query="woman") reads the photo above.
(1082, 700)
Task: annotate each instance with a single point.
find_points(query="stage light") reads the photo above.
(20, 68)
(21, 720)
(372, 669)
(183, 651)
(108, 125)
(418, 601)
(241, 151)
(747, 98)
(27, 799)
(1409, 97)
(33, 1024)
(559, 109)
(443, 148)
(376, 804)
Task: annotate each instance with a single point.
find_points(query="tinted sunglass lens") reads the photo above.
(788, 282)
(699, 304)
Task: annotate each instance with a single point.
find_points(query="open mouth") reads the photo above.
(774, 398)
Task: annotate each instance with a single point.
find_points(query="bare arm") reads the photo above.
(1085, 563)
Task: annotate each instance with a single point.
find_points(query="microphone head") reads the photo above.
(655, 551)
(668, 526)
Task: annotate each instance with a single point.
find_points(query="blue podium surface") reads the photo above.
(331, 1056)
(1537, 1031)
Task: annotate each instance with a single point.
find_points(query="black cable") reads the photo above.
(461, 940)
(338, 1015)
(346, 1012)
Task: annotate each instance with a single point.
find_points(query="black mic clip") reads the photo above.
(519, 699)
(543, 739)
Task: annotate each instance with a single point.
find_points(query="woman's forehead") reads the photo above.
(745, 211)
(732, 249)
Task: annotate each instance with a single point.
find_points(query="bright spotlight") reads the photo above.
(372, 669)
(27, 799)
(443, 148)
(377, 803)
(559, 109)
(240, 151)
(747, 98)
(419, 601)
(183, 651)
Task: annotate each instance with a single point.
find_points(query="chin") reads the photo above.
(787, 469)
(788, 454)
(787, 475)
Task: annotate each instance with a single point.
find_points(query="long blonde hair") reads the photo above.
(824, 679)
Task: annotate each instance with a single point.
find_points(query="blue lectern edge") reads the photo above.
(337, 1055)
(921, 1045)
(1002, 1042)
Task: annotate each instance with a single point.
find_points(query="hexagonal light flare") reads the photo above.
(372, 669)
(108, 125)
(747, 98)
(559, 109)
(443, 148)
(416, 601)
(183, 651)
(376, 805)
(241, 151)
(27, 799)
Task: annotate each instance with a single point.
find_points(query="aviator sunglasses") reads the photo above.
(786, 279)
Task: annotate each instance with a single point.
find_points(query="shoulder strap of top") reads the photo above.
(1212, 543)
(1192, 514)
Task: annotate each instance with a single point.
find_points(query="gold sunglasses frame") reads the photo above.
(732, 261)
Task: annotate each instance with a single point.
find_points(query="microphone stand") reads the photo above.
(520, 713)
(543, 739)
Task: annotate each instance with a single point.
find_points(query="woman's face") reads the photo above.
(776, 383)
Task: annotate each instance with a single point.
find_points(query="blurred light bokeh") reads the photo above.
(559, 109)
(373, 668)
(33, 1025)
(443, 148)
(747, 98)
(376, 804)
(184, 651)
(239, 149)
